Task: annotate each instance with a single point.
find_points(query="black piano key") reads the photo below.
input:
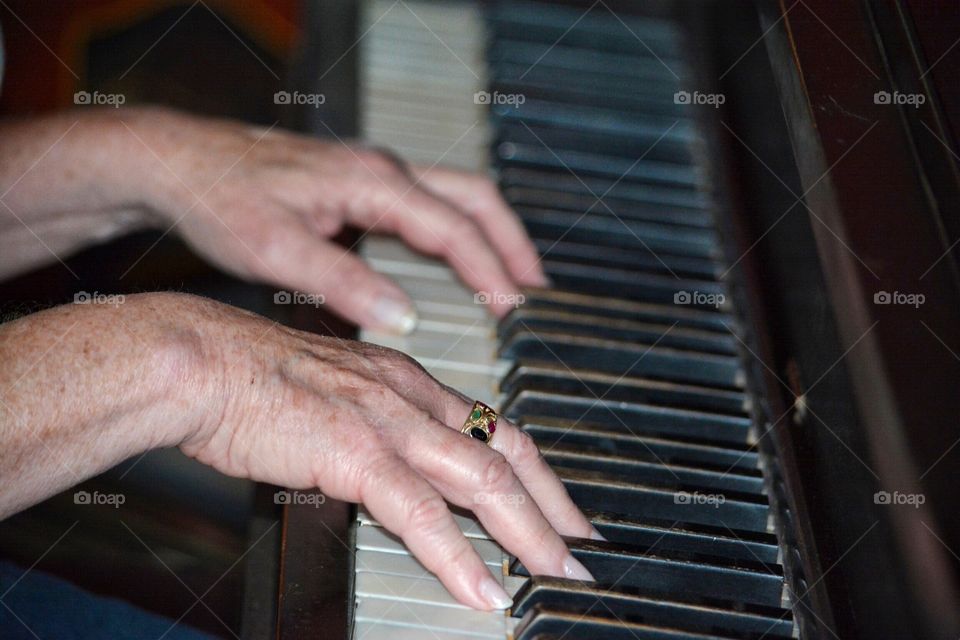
(563, 181)
(559, 138)
(564, 251)
(717, 541)
(519, 195)
(723, 617)
(649, 469)
(544, 623)
(621, 358)
(549, 624)
(601, 493)
(635, 419)
(653, 129)
(614, 307)
(667, 335)
(663, 288)
(581, 60)
(548, 23)
(667, 572)
(602, 229)
(590, 439)
(600, 92)
(596, 164)
(579, 382)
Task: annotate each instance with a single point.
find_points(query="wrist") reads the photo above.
(184, 362)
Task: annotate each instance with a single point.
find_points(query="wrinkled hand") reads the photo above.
(264, 203)
(367, 424)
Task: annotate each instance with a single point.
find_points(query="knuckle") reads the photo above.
(498, 474)
(427, 514)
(398, 365)
(525, 452)
(546, 538)
(461, 229)
(381, 162)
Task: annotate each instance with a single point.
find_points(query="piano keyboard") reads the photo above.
(626, 373)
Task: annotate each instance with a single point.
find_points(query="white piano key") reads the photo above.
(417, 99)
(488, 624)
(450, 347)
(363, 630)
(469, 525)
(379, 539)
(400, 564)
(423, 590)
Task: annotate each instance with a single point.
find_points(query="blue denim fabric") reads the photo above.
(46, 607)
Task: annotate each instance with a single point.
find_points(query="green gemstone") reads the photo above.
(476, 414)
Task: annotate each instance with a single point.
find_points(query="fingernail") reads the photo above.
(595, 535)
(493, 593)
(395, 313)
(576, 571)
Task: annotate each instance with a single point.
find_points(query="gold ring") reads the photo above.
(481, 423)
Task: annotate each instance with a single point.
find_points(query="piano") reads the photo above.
(722, 374)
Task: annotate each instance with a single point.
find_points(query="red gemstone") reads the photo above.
(492, 426)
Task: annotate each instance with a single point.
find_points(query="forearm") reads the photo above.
(66, 181)
(84, 387)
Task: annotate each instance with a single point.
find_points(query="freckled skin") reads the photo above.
(84, 387)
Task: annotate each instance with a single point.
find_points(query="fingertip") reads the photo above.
(492, 593)
(573, 569)
(533, 277)
(393, 311)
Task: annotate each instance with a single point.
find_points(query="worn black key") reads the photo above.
(692, 538)
(649, 469)
(614, 307)
(668, 572)
(549, 23)
(591, 439)
(559, 138)
(519, 195)
(563, 181)
(647, 287)
(601, 228)
(666, 335)
(634, 419)
(634, 389)
(579, 162)
(621, 358)
(629, 260)
(595, 491)
(723, 617)
(549, 624)
(579, 59)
